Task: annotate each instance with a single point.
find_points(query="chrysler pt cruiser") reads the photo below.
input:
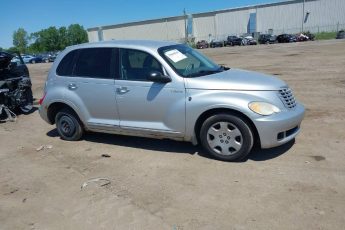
(167, 90)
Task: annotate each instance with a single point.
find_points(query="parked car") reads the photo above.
(310, 36)
(15, 87)
(301, 38)
(249, 40)
(234, 41)
(167, 90)
(216, 43)
(286, 38)
(202, 44)
(341, 34)
(48, 58)
(31, 59)
(267, 39)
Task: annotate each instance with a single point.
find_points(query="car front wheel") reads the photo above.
(226, 137)
(68, 125)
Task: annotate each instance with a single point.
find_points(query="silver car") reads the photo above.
(167, 90)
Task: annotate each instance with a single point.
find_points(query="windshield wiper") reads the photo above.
(204, 72)
(224, 68)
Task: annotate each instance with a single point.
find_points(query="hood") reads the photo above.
(5, 60)
(235, 79)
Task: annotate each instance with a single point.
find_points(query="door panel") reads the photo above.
(97, 98)
(144, 105)
(90, 85)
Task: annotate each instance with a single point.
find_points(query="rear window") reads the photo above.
(93, 62)
(65, 67)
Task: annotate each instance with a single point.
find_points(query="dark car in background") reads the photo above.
(341, 34)
(202, 44)
(234, 41)
(216, 43)
(267, 39)
(286, 38)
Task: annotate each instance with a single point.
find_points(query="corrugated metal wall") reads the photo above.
(164, 29)
(204, 27)
(324, 15)
(279, 18)
(232, 23)
(282, 17)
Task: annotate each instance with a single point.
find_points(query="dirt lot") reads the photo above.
(173, 185)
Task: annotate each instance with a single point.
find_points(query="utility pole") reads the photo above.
(185, 26)
(303, 17)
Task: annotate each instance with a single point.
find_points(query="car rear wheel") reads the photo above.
(226, 137)
(68, 125)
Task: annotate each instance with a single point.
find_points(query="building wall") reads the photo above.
(204, 27)
(92, 35)
(232, 22)
(164, 29)
(282, 17)
(324, 15)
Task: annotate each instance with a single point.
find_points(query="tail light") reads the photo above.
(42, 99)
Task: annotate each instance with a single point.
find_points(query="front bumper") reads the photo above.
(279, 128)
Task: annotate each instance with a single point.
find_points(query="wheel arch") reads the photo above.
(55, 107)
(214, 111)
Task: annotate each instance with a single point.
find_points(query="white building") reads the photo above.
(276, 18)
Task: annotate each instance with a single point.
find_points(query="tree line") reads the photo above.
(51, 39)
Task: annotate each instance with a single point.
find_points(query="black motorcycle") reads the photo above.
(15, 87)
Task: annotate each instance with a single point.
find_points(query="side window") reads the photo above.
(136, 65)
(65, 67)
(94, 63)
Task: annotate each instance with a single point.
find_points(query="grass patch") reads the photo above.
(325, 35)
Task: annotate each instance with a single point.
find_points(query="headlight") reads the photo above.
(263, 108)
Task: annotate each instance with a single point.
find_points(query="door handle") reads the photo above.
(122, 90)
(72, 86)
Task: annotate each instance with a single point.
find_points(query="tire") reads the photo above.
(227, 131)
(33, 62)
(68, 125)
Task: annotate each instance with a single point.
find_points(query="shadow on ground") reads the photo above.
(170, 146)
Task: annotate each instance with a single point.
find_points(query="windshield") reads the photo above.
(188, 62)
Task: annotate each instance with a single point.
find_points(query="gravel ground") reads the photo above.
(162, 184)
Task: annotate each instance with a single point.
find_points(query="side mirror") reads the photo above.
(158, 77)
